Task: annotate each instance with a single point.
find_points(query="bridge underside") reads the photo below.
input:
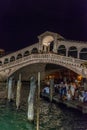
(47, 71)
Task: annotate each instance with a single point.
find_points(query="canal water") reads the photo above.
(52, 117)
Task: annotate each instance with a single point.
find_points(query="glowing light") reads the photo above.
(47, 40)
(79, 77)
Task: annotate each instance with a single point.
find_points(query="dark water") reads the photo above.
(52, 117)
(11, 119)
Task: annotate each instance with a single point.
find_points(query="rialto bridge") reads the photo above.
(51, 49)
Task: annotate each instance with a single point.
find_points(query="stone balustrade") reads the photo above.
(68, 62)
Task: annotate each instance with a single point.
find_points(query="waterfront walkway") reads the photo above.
(72, 103)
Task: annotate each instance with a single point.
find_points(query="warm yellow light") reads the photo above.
(47, 40)
(79, 77)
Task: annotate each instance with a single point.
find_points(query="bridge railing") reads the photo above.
(48, 56)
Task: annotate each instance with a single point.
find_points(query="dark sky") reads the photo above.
(21, 21)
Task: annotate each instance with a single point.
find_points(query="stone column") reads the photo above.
(10, 92)
(18, 94)
(51, 89)
(45, 48)
(40, 44)
(55, 44)
(31, 99)
(78, 54)
(67, 52)
(48, 49)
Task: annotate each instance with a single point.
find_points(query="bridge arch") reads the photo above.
(12, 59)
(6, 61)
(61, 50)
(48, 58)
(48, 43)
(19, 56)
(0, 63)
(73, 52)
(26, 53)
(83, 54)
(34, 50)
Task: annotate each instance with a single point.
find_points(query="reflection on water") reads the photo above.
(52, 117)
(10, 119)
(59, 117)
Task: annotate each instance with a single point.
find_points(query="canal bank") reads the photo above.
(75, 104)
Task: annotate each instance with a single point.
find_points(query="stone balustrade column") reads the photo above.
(67, 52)
(78, 54)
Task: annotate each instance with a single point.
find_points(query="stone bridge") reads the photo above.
(73, 64)
(52, 49)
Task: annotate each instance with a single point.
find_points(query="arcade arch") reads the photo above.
(6, 61)
(0, 63)
(12, 59)
(34, 50)
(19, 56)
(48, 43)
(83, 54)
(72, 52)
(26, 53)
(61, 50)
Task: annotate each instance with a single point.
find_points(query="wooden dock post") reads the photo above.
(10, 91)
(31, 99)
(18, 93)
(51, 89)
(38, 100)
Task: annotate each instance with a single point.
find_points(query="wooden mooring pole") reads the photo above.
(38, 100)
(51, 89)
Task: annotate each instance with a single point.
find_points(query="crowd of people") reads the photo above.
(69, 91)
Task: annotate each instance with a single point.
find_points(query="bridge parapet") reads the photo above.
(68, 62)
(57, 57)
(21, 51)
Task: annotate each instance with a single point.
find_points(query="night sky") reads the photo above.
(21, 21)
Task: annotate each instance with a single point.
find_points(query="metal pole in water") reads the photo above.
(38, 100)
